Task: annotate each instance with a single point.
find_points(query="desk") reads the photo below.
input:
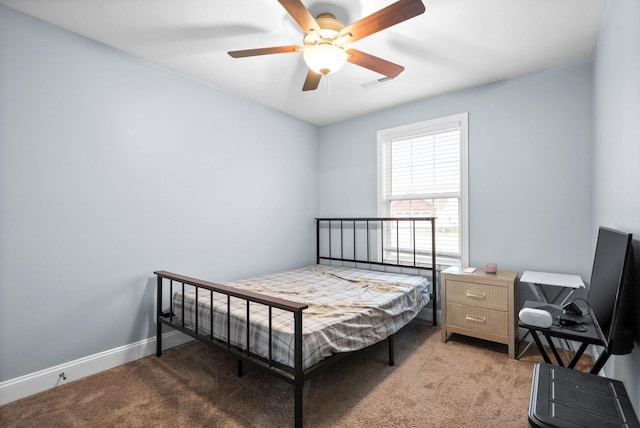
(538, 280)
(590, 334)
(560, 280)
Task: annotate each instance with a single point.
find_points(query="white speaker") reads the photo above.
(536, 317)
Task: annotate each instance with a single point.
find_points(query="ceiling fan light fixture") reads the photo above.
(325, 58)
(326, 39)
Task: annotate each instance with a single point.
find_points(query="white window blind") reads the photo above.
(422, 173)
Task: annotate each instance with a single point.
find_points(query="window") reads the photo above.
(422, 172)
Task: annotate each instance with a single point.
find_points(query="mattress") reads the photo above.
(349, 309)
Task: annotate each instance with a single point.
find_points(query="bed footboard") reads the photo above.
(294, 375)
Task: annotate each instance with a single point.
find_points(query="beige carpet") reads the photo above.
(464, 382)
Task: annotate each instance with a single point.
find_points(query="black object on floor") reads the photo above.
(561, 397)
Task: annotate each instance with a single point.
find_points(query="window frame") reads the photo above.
(431, 126)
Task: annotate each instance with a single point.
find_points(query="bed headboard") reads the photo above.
(399, 242)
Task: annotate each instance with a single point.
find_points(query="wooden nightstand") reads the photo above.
(481, 305)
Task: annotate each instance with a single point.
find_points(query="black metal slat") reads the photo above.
(197, 289)
(368, 252)
(159, 282)
(341, 241)
(413, 223)
(434, 294)
(248, 333)
(211, 314)
(318, 223)
(397, 241)
(171, 300)
(270, 337)
(228, 322)
(298, 371)
(183, 305)
(354, 241)
(382, 239)
(330, 246)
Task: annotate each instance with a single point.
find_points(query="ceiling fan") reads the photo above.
(326, 40)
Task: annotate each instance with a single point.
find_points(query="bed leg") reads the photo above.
(298, 403)
(391, 358)
(239, 371)
(158, 315)
(299, 378)
(158, 339)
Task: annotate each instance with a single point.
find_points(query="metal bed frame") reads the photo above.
(296, 375)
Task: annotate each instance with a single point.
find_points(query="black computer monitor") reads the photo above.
(610, 288)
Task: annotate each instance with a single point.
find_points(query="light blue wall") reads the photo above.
(529, 167)
(616, 148)
(111, 168)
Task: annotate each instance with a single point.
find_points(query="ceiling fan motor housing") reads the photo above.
(330, 30)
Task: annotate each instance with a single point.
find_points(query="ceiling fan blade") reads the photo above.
(301, 15)
(312, 81)
(265, 51)
(374, 63)
(384, 18)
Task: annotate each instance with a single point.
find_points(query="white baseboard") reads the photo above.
(42, 380)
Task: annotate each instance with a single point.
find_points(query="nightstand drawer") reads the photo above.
(478, 319)
(480, 295)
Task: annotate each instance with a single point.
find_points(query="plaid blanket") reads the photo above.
(349, 309)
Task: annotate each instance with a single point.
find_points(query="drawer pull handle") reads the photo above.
(475, 295)
(475, 319)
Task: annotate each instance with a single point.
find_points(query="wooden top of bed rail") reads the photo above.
(276, 302)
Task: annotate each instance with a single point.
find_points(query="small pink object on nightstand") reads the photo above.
(490, 268)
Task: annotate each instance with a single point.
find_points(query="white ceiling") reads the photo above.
(455, 44)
